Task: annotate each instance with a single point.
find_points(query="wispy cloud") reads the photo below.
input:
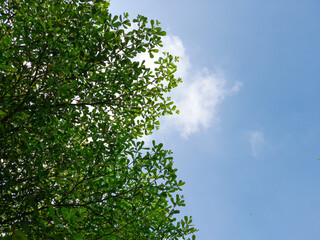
(256, 142)
(199, 96)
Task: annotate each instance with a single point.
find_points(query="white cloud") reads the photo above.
(256, 142)
(198, 97)
(198, 100)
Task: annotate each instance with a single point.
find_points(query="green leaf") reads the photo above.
(65, 212)
(78, 237)
(117, 24)
(19, 235)
(43, 25)
(162, 33)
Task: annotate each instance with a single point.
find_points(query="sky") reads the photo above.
(247, 139)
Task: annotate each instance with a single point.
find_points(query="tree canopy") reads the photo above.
(74, 102)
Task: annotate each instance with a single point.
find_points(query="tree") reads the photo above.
(74, 101)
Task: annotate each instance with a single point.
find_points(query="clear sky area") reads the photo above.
(247, 140)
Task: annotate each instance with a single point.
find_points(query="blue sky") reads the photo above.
(248, 136)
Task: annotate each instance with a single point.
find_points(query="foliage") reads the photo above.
(74, 101)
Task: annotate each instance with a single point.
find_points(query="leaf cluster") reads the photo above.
(74, 101)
